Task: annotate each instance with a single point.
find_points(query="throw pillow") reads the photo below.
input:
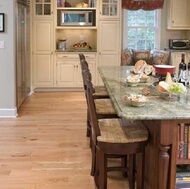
(142, 55)
(161, 57)
(126, 57)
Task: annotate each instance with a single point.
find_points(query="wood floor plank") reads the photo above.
(46, 146)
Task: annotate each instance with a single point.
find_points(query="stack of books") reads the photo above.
(183, 177)
(183, 141)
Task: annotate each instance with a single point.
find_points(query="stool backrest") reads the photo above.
(91, 106)
(84, 67)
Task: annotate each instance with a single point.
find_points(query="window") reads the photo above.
(141, 29)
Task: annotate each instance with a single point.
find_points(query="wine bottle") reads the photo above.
(182, 70)
(188, 73)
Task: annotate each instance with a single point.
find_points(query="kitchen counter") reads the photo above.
(156, 107)
(160, 116)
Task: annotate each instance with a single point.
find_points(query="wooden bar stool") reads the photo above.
(116, 137)
(100, 93)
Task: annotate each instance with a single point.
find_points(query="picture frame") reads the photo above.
(2, 22)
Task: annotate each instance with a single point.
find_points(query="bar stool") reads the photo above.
(116, 137)
(100, 93)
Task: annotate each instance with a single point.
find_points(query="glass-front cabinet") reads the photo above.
(110, 8)
(43, 8)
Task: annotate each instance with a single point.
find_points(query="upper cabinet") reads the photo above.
(43, 9)
(76, 13)
(179, 14)
(110, 9)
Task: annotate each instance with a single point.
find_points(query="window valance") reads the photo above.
(142, 4)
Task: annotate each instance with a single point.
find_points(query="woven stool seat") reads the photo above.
(121, 131)
(104, 106)
(100, 91)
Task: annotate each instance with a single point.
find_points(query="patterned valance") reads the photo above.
(142, 4)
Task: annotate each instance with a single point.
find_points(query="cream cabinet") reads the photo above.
(42, 65)
(109, 44)
(110, 9)
(176, 58)
(42, 9)
(68, 69)
(109, 34)
(179, 14)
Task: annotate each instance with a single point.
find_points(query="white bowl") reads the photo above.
(132, 84)
(137, 103)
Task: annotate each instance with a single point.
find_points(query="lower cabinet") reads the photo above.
(68, 69)
(43, 70)
(62, 71)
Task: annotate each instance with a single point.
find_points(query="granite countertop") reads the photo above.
(76, 50)
(156, 107)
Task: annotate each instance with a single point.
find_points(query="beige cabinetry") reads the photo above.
(176, 58)
(179, 14)
(110, 9)
(42, 9)
(109, 34)
(42, 53)
(42, 43)
(68, 69)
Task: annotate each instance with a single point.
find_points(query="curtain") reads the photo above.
(142, 4)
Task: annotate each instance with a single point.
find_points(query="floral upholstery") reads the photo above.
(142, 55)
(126, 57)
(130, 57)
(161, 57)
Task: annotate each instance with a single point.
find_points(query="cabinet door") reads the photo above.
(43, 70)
(110, 9)
(66, 73)
(42, 53)
(79, 80)
(109, 36)
(42, 8)
(176, 59)
(180, 14)
(109, 42)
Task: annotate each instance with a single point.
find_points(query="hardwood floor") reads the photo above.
(46, 146)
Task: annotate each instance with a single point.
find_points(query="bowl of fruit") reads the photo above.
(169, 89)
(81, 45)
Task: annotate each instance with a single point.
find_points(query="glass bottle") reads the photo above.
(182, 70)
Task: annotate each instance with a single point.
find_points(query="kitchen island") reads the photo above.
(161, 117)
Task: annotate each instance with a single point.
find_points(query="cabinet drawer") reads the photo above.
(75, 56)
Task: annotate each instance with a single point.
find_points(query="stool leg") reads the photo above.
(131, 175)
(140, 170)
(93, 163)
(124, 164)
(102, 166)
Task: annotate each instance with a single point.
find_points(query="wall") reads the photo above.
(7, 61)
(169, 34)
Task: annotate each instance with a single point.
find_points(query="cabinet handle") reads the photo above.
(100, 12)
(51, 12)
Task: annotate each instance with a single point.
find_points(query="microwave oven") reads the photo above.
(179, 44)
(76, 18)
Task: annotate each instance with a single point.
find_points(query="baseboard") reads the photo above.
(4, 113)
